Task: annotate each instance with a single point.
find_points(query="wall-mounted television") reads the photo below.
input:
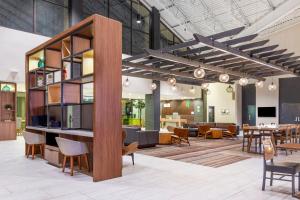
(266, 111)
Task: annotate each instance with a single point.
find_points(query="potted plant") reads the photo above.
(139, 104)
(8, 107)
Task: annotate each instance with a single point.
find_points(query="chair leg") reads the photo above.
(41, 150)
(72, 165)
(28, 150)
(86, 161)
(264, 180)
(32, 151)
(132, 158)
(293, 185)
(64, 163)
(79, 162)
(271, 179)
(243, 148)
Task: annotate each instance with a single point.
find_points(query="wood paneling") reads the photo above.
(80, 44)
(107, 93)
(53, 58)
(54, 94)
(8, 130)
(71, 93)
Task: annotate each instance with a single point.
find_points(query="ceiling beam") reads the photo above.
(238, 53)
(195, 64)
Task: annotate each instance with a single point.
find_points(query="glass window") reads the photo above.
(90, 7)
(17, 14)
(120, 10)
(166, 36)
(126, 40)
(51, 18)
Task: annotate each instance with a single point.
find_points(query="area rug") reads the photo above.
(211, 153)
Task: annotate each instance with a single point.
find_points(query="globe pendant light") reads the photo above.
(272, 87)
(174, 87)
(243, 81)
(172, 81)
(229, 89)
(126, 82)
(259, 84)
(153, 86)
(199, 73)
(192, 90)
(224, 78)
(204, 86)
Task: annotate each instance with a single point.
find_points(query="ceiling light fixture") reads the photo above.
(192, 90)
(153, 86)
(174, 87)
(224, 78)
(126, 82)
(243, 81)
(259, 84)
(172, 81)
(199, 73)
(229, 89)
(272, 87)
(138, 17)
(204, 86)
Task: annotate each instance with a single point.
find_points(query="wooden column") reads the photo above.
(107, 147)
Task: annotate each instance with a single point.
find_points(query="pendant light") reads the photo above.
(172, 81)
(272, 86)
(126, 82)
(224, 78)
(153, 86)
(243, 81)
(229, 89)
(204, 86)
(259, 84)
(174, 87)
(138, 17)
(199, 73)
(192, 90)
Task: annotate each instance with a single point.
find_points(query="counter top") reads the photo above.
(60, 131)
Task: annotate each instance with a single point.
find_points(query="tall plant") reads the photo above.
(139, 104)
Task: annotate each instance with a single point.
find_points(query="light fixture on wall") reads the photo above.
(174, 87)
(229, 89)
(192, 90)
(243, 81)
(224, 78)
(199, 73)
(259, 84)
(204, 86)
(153, 86)
(172, 81)
(272, 87)
(126, 82)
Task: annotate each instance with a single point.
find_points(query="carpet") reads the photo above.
(211, 153)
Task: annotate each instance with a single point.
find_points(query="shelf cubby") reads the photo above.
(53, 59)
(80, 44)
(66, 47)
(54, 94)
(36, 60)
(71, 93)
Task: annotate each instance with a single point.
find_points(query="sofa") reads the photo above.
(148, 138)
(194, 126)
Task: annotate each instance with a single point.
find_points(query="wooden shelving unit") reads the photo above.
(8, 111)
(74, 83)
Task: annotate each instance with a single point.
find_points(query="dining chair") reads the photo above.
(203, 131)
(73, 149)
(278, 170)
(180, 135)
(130, 149)
(230, 132)
(32, 140)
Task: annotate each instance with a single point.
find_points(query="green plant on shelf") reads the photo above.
(139, 104)
(41, 63)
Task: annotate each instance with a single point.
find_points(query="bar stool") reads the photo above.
(32, 139)
(71, 148)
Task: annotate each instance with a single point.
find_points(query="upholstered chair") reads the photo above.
(71, 149)
(130, 149)
(32, 140)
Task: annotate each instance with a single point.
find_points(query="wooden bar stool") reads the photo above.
(71, 149)
(33, 139)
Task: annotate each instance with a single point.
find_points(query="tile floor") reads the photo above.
(151, 178)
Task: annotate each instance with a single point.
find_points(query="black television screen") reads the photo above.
(266, 111)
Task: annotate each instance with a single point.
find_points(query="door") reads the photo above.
(211, 114)
(251, 111)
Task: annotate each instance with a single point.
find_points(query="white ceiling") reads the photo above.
(207, 17)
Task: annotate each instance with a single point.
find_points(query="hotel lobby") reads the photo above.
(149, 99)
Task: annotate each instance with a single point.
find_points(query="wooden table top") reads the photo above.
(291, 146)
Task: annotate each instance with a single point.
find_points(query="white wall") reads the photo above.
(221, 99)
(14, 45)
(266, 98)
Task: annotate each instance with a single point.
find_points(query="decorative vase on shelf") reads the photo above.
(40, 81)
(41, 63)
